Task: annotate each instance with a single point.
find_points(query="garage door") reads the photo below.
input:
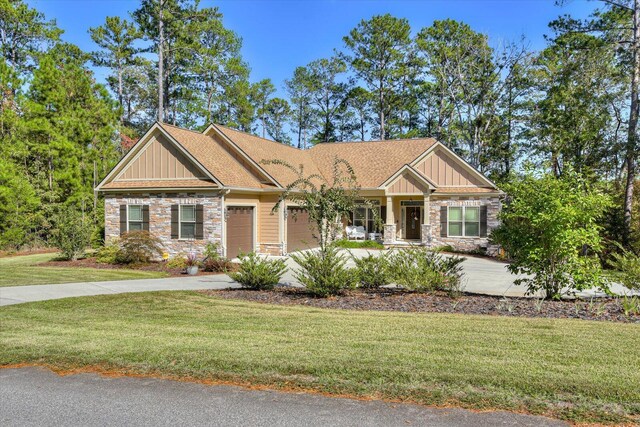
(239, 230)
(299, 232)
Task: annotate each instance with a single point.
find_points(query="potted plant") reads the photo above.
(191, 263)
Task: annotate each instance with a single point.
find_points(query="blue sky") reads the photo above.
(279, 35)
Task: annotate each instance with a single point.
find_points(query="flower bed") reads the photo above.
(601, 309)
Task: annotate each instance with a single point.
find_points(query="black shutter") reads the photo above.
(175, 222)
(199, 222)
(483, 221)
(145, 217)
(123, 219)
(443, 221)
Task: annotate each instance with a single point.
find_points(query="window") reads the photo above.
(365, 217)
(187, 221)
(134, 218)
(464, 221)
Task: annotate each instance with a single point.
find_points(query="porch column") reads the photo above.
(390, 224)
(425, 235)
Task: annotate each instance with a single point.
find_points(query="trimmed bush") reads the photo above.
(139, 247)
(108, 254)
(372, 271)
(258, 272)
(324, 272)
(422, 270)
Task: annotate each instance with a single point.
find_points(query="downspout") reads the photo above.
(223, 222)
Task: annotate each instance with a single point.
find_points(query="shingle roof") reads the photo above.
(165, 183)
(260, 149)
(218, 161)
(373, 161)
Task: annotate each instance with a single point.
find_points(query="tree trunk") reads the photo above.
(632, 137)
(160, 62)
(381, 113)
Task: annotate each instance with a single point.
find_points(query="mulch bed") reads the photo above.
(90, 262)
(397, 300)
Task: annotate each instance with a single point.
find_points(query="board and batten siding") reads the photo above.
(444, 170)
(160, 160)
(407, 184)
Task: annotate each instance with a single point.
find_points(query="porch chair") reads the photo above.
(355, 232)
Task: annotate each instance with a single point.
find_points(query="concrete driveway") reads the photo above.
(482, 276)
(37, 397)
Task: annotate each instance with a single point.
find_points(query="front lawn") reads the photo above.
(571, 369)
(23, 270)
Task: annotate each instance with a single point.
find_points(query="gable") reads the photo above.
(407, 184)
(446, 171)
(160, 160)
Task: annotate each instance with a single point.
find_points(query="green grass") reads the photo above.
(575, 370)
(22, 271)
(358, 244)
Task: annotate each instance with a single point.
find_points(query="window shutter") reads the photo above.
(123, 219)
(145, 217)
(483, 221)
(175, 222)
(443, 221)
(199, 222)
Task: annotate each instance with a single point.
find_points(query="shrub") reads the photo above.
(218, 265)
(358, 244)
(212, 251)
(324, 272)
(71, 235)
(177, 262)
(139, 247)
(628, 265)
(108, 254)
(372, 271)
(258, 272)
(551, 229)
(419, 269)
(191, 260)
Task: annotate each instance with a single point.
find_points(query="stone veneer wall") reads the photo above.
(160, 218)
(464, 243)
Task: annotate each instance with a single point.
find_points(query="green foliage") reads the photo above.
(373, 271)
(258, 272)
(177, 262)
(108, 254)
(630, 305)
(139, 247)
(628, 265)
(212, 251)
(72, 234)
(357, 244)
(328, 203)
(550, 228)
(324, 272)
(423, 270)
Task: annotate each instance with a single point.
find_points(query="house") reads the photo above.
(190, 188)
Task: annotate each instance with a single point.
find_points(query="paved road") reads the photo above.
(482, 276)
(38, 397)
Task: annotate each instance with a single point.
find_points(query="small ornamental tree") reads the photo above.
(328, 203)
(550, 229)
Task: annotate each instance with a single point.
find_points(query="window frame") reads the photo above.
(368, 217)
(180, 221)
(463, 221)
(140, 221)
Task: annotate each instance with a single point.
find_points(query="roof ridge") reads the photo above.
(426, 138)
(259, 137)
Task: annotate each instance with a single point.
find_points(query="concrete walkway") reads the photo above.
(482, 276)
(37, 397)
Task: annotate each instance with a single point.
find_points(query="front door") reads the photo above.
(412, 222)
